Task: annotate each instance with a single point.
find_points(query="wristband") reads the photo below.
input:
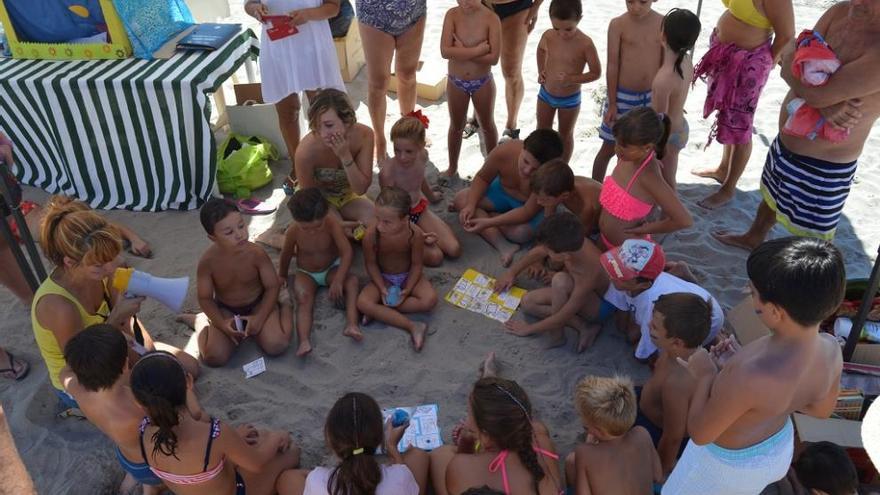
(348, 163)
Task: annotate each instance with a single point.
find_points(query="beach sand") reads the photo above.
(70, 456)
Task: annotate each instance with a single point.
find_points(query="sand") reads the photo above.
(70, 456)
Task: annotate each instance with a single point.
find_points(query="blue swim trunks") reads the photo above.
(626, 101)
(67, 400)
(606, 310)
(560, 102)
(503, 202)
(140, 472)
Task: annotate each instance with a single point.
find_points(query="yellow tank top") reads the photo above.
(746, 11)
(52, 353)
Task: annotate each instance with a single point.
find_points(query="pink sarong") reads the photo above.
(735, 78)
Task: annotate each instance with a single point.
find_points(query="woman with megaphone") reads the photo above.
(85, 249)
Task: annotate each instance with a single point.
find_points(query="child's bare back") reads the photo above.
(641, 48)
(469, 31)
(782, 380)
(668, 377)
(564, 58)
(675, 87)
(622, 466)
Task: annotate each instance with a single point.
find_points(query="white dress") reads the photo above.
(396, 480)
(304, 61)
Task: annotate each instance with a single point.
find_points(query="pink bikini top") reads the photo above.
(189, 479)
(499, 462)
(619, 202)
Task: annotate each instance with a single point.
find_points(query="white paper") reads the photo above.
(254, 368)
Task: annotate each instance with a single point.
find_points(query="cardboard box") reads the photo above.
(430, 81)
(350, 53)
(748, 327)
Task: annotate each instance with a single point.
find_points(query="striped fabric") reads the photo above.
(626, 101)
(807, 194)
(131, 134)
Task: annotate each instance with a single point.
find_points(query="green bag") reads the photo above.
(243, 164)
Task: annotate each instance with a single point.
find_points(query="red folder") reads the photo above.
(281, 27)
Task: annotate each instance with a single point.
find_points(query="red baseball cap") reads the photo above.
(634, 258)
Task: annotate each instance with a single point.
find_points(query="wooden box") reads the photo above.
(118, 48)
(350, 53)
(430, 81)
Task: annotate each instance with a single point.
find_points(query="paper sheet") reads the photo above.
(473, 292)
(254, 368)
(423, 431)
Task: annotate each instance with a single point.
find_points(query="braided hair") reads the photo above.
(681, 28)
(503, 411)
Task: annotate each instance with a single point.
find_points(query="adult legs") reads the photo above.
(764, 220)
(11, 276)
(719, 173)
(739, 158)
(514, 34)
(378, 51)
(288, 119)
(406, 63)
(358, 210)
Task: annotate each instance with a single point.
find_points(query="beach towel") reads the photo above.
(813, 64)
(735, 78)
(705, 469)
(806, 193)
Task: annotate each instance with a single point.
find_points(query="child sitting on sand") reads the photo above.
(552, 185)
(742, 437)
(393, 253)
(634, 56)
(237, 282)
(354, 432)
(636, 185)
(471, 41)
(406, 170)
(572, 292)
(617, 457)
(680, 325)
(196, 457)
(637, 281)
(323, 259)
(501, 185)
(97, 377)
(669, 91)
(563, 52)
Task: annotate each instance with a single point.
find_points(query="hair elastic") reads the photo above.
(357, 451)
(514, 399)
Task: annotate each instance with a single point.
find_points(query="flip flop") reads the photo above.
(11, 373)
(289, 185)
(254, 207)
(470, 128)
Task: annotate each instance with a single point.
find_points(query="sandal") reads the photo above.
(509, 134)
(255, 207)
(289, 185)
(470, 128)
(18, 368)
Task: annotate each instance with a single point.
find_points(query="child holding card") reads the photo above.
(295, 56)
(354, 432)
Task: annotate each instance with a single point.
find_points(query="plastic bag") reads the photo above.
(243, 164)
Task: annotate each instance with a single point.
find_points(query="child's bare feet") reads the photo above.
(715, 174)
(742, 241)
(450, 173)
(587, 336)
(717, 199)
(507, 254)
(419, 331)
(304, 348)
(273, 238)
(354, 332)
(489, 367)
